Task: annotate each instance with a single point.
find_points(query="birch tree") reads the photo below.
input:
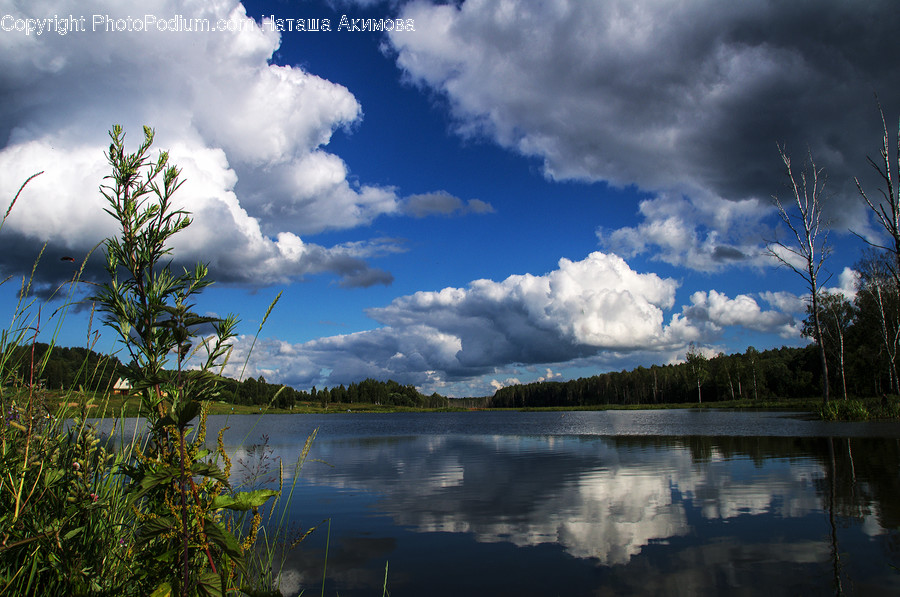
(807, 248)
(887, 209)
(836, 316)
(877, 299)
(697, 364)
(887, 213)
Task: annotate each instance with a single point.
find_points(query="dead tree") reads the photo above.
(887, 212)
(806, 252)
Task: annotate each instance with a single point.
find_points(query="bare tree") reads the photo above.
(877, 292)
(806, 252)
(836, 317)
(887, 211)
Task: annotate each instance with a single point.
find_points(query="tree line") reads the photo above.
(64, 368)
(81, 368)
(753, 375)
(257, 391)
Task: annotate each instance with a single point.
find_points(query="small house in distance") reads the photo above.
(122, 387)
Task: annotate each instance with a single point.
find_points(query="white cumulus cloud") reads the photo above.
(596, 309)
(250, 137)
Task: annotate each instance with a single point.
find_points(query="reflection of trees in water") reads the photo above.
(866, 473)
(830, 507)
(648, 511)
(859, 481)
(865, 479)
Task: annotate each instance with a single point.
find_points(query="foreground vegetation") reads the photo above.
(155, 513)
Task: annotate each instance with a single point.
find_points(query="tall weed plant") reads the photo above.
(153, 514)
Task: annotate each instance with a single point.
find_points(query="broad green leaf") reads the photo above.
(155, 527)
(245, 500)
(187, 414)
(52, 475)
(224, 541)
(163, 590)
(154, 479)
(206, 469)
(210, 584)
(167, 556)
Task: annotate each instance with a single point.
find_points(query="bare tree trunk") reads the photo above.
(810, 241)
(843, 372)
(819, 339)
(888, 337)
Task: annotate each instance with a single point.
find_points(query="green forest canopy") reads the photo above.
(771, 374)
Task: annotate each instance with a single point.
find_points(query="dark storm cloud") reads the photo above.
(689, 96)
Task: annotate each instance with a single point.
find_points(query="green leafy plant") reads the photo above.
(179, 494)
(153, 514)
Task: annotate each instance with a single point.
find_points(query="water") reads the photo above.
(593, 503)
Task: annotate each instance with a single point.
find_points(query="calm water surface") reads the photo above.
(592, 503)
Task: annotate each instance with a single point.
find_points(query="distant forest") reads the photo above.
(80, 368)
(861, 339)
(777, 373)
(754, 375)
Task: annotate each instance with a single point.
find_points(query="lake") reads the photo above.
(672, 502)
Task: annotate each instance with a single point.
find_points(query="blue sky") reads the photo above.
(510, 191)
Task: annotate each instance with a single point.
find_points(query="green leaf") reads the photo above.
(210, 584)
(154, 479)
(224, 541)
(155, 527)
(187, 414)
(206, 469)
(245, 500)
(52, 475)
(167, 556)
(163, 590)
(164, 422)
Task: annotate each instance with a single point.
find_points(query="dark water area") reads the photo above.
(586, 503)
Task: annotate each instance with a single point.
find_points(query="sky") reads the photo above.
(471, 194)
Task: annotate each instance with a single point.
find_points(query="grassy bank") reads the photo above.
(100, 405)
(103, 405)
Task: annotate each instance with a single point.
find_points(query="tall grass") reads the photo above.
(62, 511)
